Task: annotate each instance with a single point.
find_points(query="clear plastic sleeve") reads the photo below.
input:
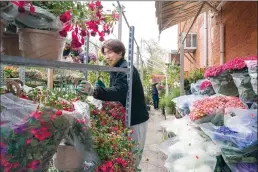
(228, 138)
(253, 70)
(29, 137)
(195, 87)
(80, 136)
(190, 160)
(242, 81)
(40, 19)
(241, 120)
(224, 84)
(209, 91)
(187, 100)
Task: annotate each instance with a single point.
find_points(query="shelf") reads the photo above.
(33, 62)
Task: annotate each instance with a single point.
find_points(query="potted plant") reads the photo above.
(42, 33)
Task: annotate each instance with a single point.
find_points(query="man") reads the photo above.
(114, 51)
(155, 96)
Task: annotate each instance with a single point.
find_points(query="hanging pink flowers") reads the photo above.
(95, 23)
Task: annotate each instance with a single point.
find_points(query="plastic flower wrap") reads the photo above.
(206, 88)
(212, 107)
(29, 135)
(224, 84)
(237, 138)
(242, 81)
(253, 70)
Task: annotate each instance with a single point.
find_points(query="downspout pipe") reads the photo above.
(222, 60)
(205, 48)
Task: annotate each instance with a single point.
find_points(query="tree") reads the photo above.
(153, 52)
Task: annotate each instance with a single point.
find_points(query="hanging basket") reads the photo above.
(35, 43)
(10, 44)
(67, 158)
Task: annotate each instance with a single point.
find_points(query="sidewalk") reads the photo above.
(153, 159)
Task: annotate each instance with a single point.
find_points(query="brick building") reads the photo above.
(240, 33)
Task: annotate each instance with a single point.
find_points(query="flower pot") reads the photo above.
(242, 81)
(169, 110)
(10, 44)
(43, 44)
(224, 84)
(67, 158)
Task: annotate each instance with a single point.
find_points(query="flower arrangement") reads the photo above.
(11, 72)
(205, 84)
(33, 74)
(234, 65)
(211, 105)
(237, 63)
(213, 71)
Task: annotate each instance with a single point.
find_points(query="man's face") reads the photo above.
(111, 57)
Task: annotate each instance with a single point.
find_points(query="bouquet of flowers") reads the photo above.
(206, 88)
(212, 108)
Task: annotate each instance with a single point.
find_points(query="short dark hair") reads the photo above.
(114, 45)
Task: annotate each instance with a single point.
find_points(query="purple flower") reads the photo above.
(246, 167)
(92, 57)
(20, 129)
(225, 130)
(3, 150)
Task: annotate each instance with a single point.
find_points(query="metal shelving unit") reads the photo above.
(34, 62)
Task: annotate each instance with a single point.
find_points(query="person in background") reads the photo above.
(155, 96)
(114, 52)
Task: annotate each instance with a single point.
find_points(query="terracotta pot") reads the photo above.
(10, 44)
(35, 43)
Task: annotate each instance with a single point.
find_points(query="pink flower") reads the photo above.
(205, 84)
(65, 17)
(237, 63)
(213, 71)
(212, 105)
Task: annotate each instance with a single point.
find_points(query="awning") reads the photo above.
(170, 13)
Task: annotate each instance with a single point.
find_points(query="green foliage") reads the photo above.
(195, 75)
(173, 73)
(92, 77)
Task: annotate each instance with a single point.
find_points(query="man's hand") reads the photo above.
(85, 87)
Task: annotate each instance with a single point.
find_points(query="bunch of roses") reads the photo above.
(30, 144)
(212, 105)
(91, 27)
(111, 139)
(205, 84)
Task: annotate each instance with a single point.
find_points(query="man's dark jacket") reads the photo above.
(118, 92)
